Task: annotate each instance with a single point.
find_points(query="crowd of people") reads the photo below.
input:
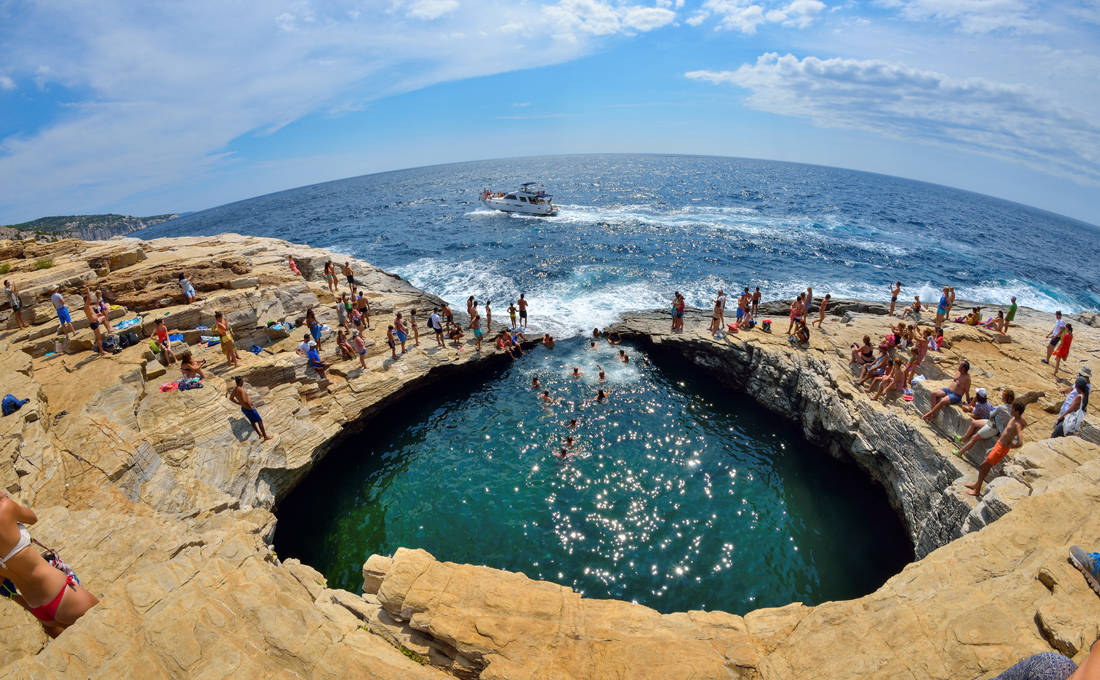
(886, 368)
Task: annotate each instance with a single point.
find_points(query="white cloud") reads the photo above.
(6, 83)
(572, 18)
(431, 9)
(975, 16)
(747, 15)
(1011, 122)
(171, 86)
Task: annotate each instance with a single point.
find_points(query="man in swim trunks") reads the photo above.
(1055, 334)
(238, 396)
(1011, 316)
(93, 321)
(522, 311)
(390, 341)
(756, 302)
(986, 428)
(63, 315)
(720, 308)
(448, 316)
(1011, 438)
(956, 392)
(475, 324)
(894, 296)
(350, 276)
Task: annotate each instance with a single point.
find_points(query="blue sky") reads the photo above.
(143, 108)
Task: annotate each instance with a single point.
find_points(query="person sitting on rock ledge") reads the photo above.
(986, 428)
(863, 354)
(188, 290)
(956, 392)
(55, 597)
(1055, 666)
(190, 368)
(1011, 438)
(16, 303)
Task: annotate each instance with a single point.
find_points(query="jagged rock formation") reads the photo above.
(162, 500)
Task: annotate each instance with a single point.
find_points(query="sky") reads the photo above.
(153, 107)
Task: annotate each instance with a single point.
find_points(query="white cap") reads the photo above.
(981, 392)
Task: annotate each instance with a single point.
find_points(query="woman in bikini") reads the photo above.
(54, 597)
(191, 368)
(225, 335)
(330, 276)
(864, 354)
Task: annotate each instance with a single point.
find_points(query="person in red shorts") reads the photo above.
(1063, 348)
(1011, 438)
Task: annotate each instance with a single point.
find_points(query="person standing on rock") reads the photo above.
(349, 274)
(894, 292)
(1011, 438)
(956, 392)
(51, 593)
(63, 316)
(360, 347)
(1063, 348)
(475, 323)
(436, 324)
(390, 341)
(187, 288)
(796, 312)
(415, 328)
(94, 321)
(821, 312)
(720, 309)
(16, 304)
(941, 309)
(1055, 334)
(756, 302)
(522, 311)
(225, 336)
(488, 317)
(363, 305)
(447, 314)
(238, 396)
(330, 277)
(512, 314)
(400, 332)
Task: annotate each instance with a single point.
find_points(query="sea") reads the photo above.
(632, 229)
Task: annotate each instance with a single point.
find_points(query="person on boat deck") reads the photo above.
(54, 597)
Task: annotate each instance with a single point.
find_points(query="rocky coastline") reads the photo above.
(164, 503)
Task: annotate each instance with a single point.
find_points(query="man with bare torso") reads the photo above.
(956, 392)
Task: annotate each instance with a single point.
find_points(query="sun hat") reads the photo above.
(1085, 371)
(981, 392)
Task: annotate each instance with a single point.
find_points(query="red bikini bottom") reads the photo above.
(48, 611)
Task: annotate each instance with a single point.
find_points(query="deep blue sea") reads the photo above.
(634, 228)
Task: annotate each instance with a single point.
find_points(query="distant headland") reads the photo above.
(87, 227)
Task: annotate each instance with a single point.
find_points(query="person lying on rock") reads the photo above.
(953, 394)
(53, 596)
(1011, 438)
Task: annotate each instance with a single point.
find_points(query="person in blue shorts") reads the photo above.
(238, 396)
(953, 394)
(63, 316)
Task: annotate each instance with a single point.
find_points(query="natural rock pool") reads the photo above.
(677, 493)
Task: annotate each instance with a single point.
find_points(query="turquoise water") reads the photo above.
(676, 493)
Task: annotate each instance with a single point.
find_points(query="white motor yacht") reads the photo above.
(530, 199)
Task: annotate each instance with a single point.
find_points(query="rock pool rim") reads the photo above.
(663, 358)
